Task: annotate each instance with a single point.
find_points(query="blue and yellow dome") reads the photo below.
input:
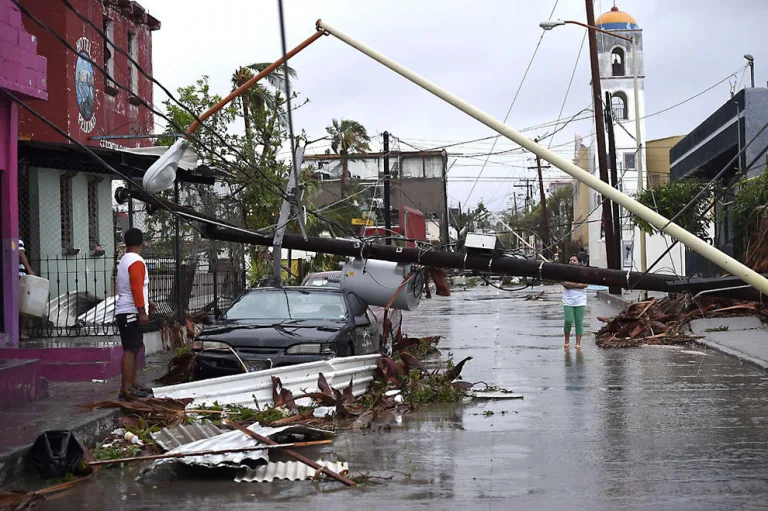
(616, 20)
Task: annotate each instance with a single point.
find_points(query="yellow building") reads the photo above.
(657, 156)
(580, 234)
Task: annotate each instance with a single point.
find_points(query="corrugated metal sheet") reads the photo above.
(171, 438)
(244, 389)
(232, 440)
(287, 471)
(62, 311)
(102, 314)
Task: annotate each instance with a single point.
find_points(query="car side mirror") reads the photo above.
(210, 319)
(361, 321)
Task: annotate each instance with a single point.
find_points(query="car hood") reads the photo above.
(277, 335)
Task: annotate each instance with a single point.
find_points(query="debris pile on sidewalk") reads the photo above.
(666, 321)
(262, 420)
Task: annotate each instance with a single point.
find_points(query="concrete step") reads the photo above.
(71, 364)
(21, 380)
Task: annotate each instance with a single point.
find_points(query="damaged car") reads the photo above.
(273, 327)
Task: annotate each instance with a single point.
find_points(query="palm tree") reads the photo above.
(347, 136)
(259, 98)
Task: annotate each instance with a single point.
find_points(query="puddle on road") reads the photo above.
(599, 429)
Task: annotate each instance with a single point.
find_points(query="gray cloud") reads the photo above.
(478, 50)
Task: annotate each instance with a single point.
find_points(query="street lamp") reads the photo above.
(751, 64)
(549, 25)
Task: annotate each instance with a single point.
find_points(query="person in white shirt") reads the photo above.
(574, 304)
(24, 269)
(132, 311)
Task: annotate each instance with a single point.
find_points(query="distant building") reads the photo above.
(710, 146)
(581, 195)
(657, 155)
(418, 181)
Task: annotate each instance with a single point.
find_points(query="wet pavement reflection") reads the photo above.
(645, 428)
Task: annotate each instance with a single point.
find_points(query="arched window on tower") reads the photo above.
(617, 62)
(619, 106)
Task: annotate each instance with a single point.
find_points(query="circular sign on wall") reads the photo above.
(84, 86)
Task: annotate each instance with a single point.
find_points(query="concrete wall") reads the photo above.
(756, 117)
(67, 272)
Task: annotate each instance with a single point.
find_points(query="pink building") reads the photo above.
(23, 74)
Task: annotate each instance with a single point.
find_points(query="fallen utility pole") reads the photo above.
(485, 262)
(481, 262)
(693, 242)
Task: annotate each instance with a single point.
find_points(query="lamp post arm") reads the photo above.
(573, 22)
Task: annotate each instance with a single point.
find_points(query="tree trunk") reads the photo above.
(247, 121)
(344, 171)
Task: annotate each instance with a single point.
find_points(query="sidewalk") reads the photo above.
(22, 424)
(744, 338)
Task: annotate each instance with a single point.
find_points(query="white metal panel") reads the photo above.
(102, 314)
(287, 471)
(249, 389)
(234, 440)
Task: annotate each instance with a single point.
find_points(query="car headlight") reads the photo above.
(210, 345)
(316, 348)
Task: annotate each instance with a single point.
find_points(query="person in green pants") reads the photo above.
(574, 303)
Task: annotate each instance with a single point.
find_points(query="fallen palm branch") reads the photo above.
(666, 321)
(155, 411)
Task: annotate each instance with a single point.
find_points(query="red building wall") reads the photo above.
(79, 101)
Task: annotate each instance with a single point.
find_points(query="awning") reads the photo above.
(131, 162)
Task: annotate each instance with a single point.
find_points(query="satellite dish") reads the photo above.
(161, 175)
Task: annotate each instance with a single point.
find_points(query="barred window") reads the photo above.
(65, 197)
(619, 106)
(93, 213)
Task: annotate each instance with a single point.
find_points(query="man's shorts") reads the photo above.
(131, 335)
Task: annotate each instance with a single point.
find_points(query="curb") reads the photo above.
(13, 465)
(618, 301)
(755, 362)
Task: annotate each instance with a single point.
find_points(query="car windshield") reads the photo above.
(287, 304)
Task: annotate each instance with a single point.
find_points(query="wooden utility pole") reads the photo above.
(543, 198)
(600, 135)
(387, 206)
(609, 119)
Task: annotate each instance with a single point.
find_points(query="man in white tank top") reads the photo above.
(132, 311)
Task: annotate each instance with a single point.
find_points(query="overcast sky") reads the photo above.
(478, 50)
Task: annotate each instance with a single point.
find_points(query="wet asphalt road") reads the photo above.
(647, 428)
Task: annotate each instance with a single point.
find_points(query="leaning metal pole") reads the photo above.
(691, 241)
